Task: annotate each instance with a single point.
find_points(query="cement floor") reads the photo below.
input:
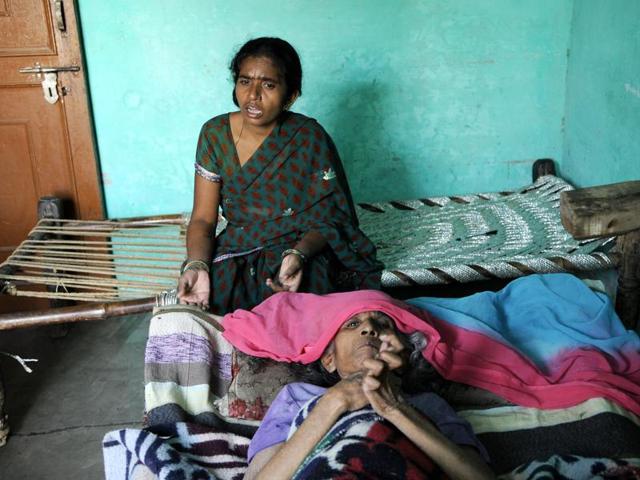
(84, 385)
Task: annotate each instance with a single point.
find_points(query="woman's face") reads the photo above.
(357, 340)
(260, 91)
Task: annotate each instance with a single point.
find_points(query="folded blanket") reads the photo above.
(515, 435)
(187, 372)
(299, 326)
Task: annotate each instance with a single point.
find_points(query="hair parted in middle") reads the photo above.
(281, 53)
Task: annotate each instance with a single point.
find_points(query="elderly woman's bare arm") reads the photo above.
(284, 460)
(260, 459)
(458, 462)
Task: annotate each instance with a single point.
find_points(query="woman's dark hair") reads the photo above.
(281, 53)
(315, 373)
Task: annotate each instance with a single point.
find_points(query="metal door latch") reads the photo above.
(50, 87)
(50, 80)
(39, 69)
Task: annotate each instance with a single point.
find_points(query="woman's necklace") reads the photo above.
(235, 144)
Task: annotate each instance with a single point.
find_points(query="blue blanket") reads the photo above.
(540, 316)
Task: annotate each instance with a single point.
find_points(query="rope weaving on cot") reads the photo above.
(97, 260)
(427, 241)
(478, 237)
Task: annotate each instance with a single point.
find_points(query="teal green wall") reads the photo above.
(423, 97)
(602, 138)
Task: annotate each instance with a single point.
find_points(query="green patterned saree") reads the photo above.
(293, 183)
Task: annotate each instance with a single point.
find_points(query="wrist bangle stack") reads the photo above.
(295, 251)
(194, 265)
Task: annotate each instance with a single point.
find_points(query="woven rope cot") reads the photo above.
(438, 240)
(485, 236)
(97, 261)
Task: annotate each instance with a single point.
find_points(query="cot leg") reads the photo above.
(51, 207)
(628, 296)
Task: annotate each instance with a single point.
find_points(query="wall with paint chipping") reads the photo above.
(422, 97)
(602, 126)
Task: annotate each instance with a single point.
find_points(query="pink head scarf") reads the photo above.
(297, 327)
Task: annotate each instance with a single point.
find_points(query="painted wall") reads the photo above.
(602, 139)
(422, 97)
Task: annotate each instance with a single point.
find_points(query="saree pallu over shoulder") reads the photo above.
(292, 184)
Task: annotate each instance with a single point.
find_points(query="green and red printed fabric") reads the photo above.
(293, 183)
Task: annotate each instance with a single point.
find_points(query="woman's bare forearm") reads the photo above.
(311, 243)
(288, 458)
(459, 463)
(204, 217)
(200, 239)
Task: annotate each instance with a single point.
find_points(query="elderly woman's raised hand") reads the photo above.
(392, 351)
(348, 393)
(380, 387)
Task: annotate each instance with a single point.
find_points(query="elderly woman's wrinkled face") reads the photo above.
(357, 340)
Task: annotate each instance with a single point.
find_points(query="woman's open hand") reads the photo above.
(194, 287)
(289, 275)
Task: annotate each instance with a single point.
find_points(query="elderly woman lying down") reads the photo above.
(364, 424)
(546, 344)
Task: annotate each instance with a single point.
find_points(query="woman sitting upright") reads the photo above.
(279, 180)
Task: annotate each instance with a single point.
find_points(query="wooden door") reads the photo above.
(45, 149)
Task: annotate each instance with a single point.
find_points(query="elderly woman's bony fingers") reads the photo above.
(393, 360)
(370, 383)
(374, 366)
(391, 343)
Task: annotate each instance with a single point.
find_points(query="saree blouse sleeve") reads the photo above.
(206, 162)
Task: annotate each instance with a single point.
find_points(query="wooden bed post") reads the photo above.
(628, 298)
(607, 211)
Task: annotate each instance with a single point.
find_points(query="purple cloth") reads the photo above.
(277, 421)
(284, 408)
(177, 348)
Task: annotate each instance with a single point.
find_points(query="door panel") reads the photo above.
(18, 182)
(46, 142)
(45, 149)
(25, 28)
